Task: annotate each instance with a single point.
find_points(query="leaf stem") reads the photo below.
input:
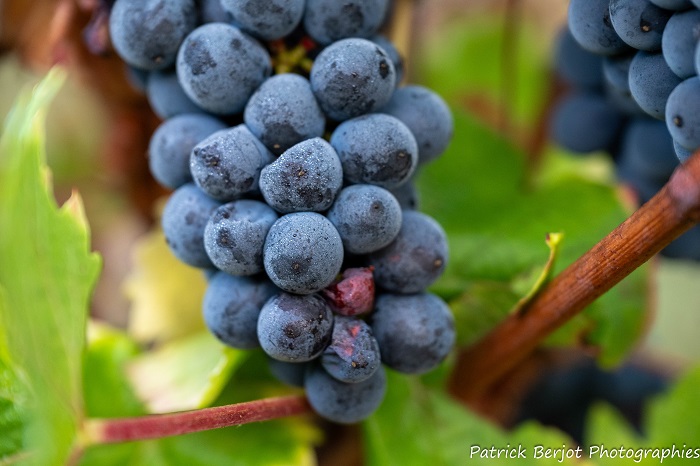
(671, 212)
(100, 431)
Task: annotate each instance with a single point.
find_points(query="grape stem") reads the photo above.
(671, 212)
(100, 431)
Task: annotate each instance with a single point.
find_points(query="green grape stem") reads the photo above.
(670, 213)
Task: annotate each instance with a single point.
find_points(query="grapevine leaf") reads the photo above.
(443, 432)
(553, 241)
(166, 295)
(481, 306)
(669, 423)
(11, 400)
(187, 373)
(670, 420)
(47, 273)
(106, 390)
(273, 443)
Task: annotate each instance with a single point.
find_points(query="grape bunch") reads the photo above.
(632, 67)
(291, 149)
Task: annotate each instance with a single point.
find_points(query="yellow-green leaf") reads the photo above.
(166, 295)
(187, 373)
(47, 272)
(553, 241)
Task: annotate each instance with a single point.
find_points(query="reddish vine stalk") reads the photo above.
(166, 425)
(671, 212)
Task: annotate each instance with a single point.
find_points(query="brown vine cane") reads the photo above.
(671, 212)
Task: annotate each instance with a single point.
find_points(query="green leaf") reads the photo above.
(106, 390)
(671, 417)
(187, 373)
(480, 306)
(273, 443)
(12, 401)
(47, 273)
(11, 420)
(544, 274)
(669, 423)
(606, 428)
(417, 426)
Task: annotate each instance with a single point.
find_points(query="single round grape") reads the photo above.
(352, 77)
(679, 41)
(646, 151)
(303, 252)
(407, 195)
(589, 23)
(367, 218)
(231, 308)
(415, 332)
(344, 403)
(283, 112)
(171, 144)
(227, 164)
(219, 67)
(166, 96)
(290, 373)
(651, 82)
(616, 70)
(184, 217)
(147, 33)
(295, 328)
(415, 259)
(585, 122)
(328, 21)
(576, 65)
(353, 354)
(268, 19)
(683, 113)
(235, 235)
(639, 23)
(681, 152)
(427, 116)
(376, 149)
(617, 88)
(306, 177)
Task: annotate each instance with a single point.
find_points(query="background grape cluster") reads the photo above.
(291, 148)
(632, 66)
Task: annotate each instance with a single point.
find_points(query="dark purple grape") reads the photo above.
(231, 308)
(344, 403)
(415, 259)
(415, 332)
(295, 328)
